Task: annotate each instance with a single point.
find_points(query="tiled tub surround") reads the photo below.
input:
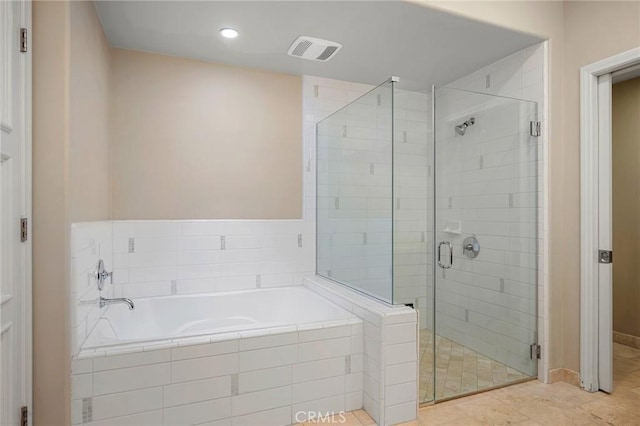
(263, 376)
(90, 241)
(160, 258)
(390, 352)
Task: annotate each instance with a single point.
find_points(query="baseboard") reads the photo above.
(564, 375)
(626, 339)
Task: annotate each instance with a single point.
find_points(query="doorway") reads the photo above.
(625, 111)
(601, 177)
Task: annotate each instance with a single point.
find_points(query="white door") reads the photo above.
(605, 237)
(15, 202)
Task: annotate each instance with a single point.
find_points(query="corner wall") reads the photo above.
(89, 88)
(51, 360)
(70, 179)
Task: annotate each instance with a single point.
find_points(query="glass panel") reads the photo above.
(354, 194)
(413, 219)
(486, 205)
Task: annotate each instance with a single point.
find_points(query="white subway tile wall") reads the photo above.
(413, 202)
(160, 258)
(493, 185)
(278, 378)
(90, 242)
(389, 338)
(355, 193)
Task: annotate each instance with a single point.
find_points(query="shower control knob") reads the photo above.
(471, 247)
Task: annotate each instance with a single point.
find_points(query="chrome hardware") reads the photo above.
(23, 40)
(605, 256)
(450, 254)
(24, 229)
(104, 302)
(471, 247)
(535, 351)
(534, 128)
(101, 275)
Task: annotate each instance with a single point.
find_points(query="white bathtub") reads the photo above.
(256, 357)
(178, 317)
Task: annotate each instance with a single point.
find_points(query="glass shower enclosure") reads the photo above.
(430, 198)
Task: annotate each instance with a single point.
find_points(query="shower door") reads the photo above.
(485, 241)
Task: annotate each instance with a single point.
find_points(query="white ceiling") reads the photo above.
(422, 46)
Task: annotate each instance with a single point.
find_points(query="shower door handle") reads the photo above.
(448, 244)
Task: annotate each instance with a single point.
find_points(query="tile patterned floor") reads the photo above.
(459, 370)
(534, 403)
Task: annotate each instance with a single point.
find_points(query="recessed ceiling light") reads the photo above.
(229, 32)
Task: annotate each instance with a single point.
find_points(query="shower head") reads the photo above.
(461, 129)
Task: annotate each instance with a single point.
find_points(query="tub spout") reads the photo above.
(104, 302)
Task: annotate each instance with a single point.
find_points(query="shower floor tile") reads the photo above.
(459, 370)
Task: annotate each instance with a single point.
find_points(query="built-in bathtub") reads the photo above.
(265, 356)
(156, 319)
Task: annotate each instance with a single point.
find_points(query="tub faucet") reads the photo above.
(104, 302)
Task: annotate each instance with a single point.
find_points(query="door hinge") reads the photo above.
(24, 229)
(534, 128)
(535, 351)
(24, 416)
(23, 40)
(605, 256)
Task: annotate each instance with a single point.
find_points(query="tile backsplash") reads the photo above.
(90, 241)
(160, 258)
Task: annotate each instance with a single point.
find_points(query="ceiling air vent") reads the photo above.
(314, 49)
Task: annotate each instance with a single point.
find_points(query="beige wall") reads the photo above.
(70, 179)
(89, 109)
(195, 140)
(626, 207)
(51, 366)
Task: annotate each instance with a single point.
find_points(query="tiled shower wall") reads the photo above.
(354, 204)
(358, 195)
(490, 303)
(412, 199)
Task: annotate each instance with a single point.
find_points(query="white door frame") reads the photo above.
(23, 124)
(26, 83)
(593, 313)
